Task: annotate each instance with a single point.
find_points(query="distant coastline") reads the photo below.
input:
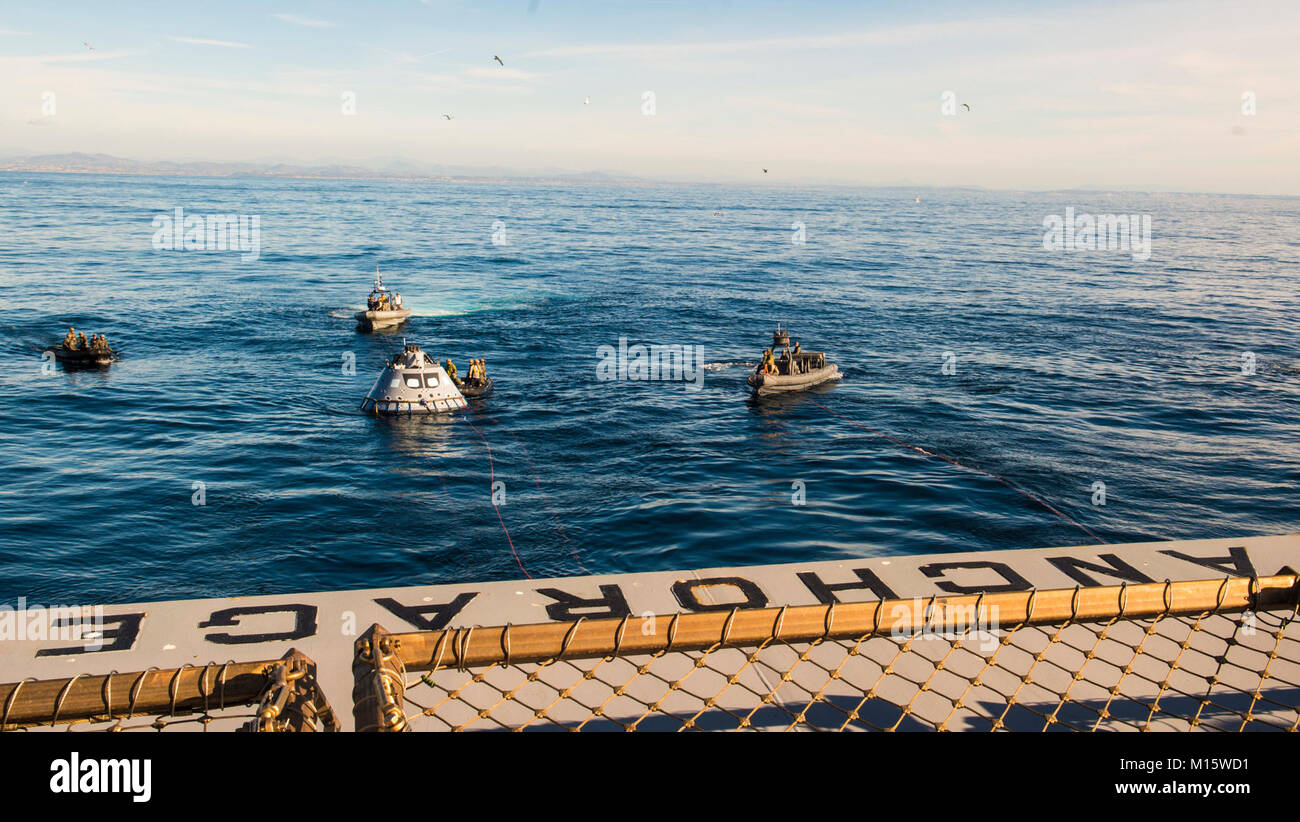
(78, 163)
(406, 171)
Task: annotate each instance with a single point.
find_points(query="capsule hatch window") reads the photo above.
(431, 379)
(412, 379)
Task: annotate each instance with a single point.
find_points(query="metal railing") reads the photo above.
(1214, 654)
(1218, 654)
(283, 695)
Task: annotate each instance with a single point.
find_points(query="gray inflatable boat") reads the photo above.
(82, 357)
(383, 308)
(790, 370)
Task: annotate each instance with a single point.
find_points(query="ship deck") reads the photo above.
(1194, 634)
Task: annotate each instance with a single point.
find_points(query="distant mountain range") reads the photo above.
(78, 163)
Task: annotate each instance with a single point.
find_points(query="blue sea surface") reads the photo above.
(1071, 368)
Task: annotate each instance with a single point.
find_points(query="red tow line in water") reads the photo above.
(918, 449)
(492, 472)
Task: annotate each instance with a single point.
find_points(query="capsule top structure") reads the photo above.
(413, 383)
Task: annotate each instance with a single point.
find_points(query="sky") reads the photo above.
(1140, 95)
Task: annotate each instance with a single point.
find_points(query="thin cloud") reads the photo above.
(12, 33)
(500, 73)
(83, 56)
(407, 58)
(304, 21)
(895, 36)
(786, 107)
(199, 41)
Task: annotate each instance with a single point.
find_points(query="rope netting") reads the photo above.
(1205, 655)
(269, 695)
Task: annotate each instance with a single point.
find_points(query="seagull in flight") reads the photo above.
(448, 117)
(498, 59)
(87, 45)
(966, 106)
(587, 102)
(764, 171)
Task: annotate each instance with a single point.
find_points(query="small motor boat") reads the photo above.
(383, 308)
(795, 370)
(413, 383)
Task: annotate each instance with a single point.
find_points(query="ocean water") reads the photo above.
(1071, 368)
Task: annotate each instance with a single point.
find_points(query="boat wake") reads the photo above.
(416, 311)
(351, 312)
(725, 364)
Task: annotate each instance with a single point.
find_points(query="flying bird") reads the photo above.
(764, 171)
(448, 117)
(587, 102)
(87, 45)
(498, 59)
(966, 106)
